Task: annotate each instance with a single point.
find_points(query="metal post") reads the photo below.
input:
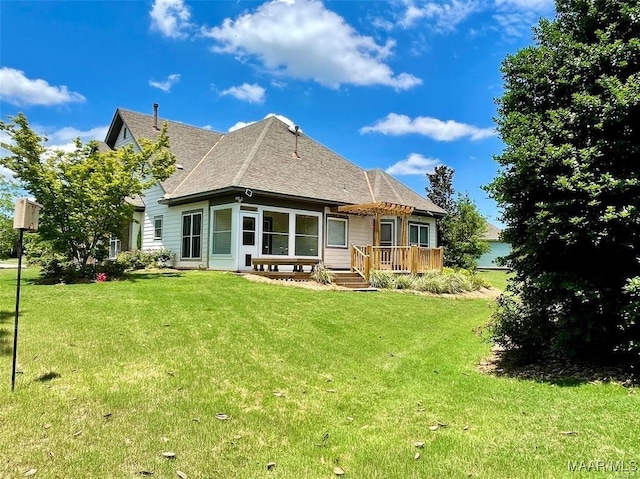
(15, 327)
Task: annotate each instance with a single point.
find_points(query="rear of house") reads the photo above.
(267, 191)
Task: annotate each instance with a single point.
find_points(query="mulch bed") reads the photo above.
(556, 371)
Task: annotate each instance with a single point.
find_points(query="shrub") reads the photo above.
(138, 259)
(321, 274)
(382, 279)
(405, 282)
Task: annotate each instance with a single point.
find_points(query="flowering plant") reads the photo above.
(101, 277)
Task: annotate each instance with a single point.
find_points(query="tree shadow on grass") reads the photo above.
(144, 275)
(6, 332)
(48, 377)
(559, 372)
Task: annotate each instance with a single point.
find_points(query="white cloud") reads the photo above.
(439, 130)
(534, 5)
(415, 164)
(284, 119)
(170, 18)
(251, 93)
(304, 40)
(517, 17)
(444, 16)
(167, 84)
(17, 89)
(65, 136)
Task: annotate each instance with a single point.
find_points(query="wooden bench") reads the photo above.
(273, 263)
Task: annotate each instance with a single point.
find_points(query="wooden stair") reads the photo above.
(347, 279)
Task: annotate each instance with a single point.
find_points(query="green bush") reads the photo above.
(404, 281)
(439, 282)
(139, 259)
(382, 279)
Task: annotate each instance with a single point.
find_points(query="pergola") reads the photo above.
(377, 210)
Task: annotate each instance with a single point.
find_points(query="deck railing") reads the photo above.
(400, 259)
(360, 262)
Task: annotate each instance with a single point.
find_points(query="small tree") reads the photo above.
(464, 235)
(440, 192)
(84, 192)
(8, 236)
(460, 230)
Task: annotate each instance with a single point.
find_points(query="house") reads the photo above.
(498, 248)
(269, 191)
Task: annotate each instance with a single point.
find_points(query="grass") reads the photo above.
(497, 278)
(114, 374)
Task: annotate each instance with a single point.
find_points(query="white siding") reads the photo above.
(359, 233)
(121, 140)
(172, 227)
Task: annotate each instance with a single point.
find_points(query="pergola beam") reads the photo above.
(373, 209)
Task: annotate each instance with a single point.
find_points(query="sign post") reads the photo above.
(25, 219)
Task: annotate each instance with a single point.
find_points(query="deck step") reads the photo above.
(349, 279)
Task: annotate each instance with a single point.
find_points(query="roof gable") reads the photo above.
(188, 143)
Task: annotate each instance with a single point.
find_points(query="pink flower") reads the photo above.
(101, 277)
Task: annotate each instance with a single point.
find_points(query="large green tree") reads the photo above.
(8, 236)
(85, 192)
(569, 184)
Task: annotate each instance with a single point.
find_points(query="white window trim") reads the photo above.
(212, 232)
(346, 232)
(419, 225)
(191, 213)
(292, 229)
(155, 235)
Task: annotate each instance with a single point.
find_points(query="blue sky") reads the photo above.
(401, 85)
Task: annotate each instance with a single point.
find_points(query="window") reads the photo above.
(191, 234)
(306, 235)
(124, 133)
(275, 233)
(386, 233)
(337, 232)
(114, 247)
(157, 227)
(419, 235)
(248, 231)
(221, 232)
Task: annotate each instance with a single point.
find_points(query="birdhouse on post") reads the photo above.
(26, 215)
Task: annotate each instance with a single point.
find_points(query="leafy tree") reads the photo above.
(464, 235)
(83, 192)
(440, 192)
(460, 230)
(569, 184)
(8, 236)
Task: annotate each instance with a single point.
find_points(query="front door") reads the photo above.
(248, 239)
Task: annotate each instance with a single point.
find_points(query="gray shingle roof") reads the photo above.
(188, 143)
(492, 233)
(261, 157)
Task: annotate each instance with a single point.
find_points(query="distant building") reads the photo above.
(498, 248)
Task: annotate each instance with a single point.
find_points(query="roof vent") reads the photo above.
(179, 166)
(155, 116)
(295, 130)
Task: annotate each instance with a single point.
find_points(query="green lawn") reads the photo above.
(114, 374)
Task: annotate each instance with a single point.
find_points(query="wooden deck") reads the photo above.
(399, 259)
